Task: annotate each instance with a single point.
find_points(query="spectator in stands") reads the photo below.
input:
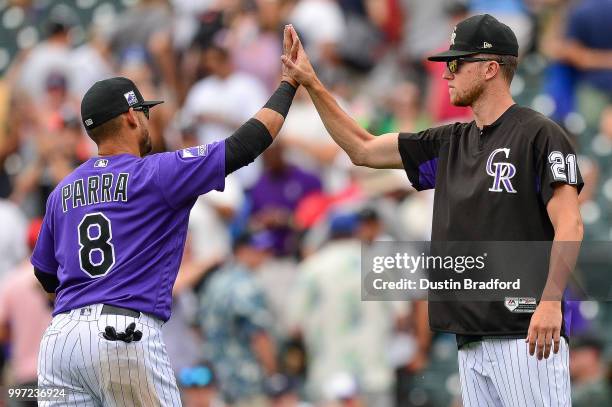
(411, 341)
(182, 336)
(25, 313)
(51, 55)
(8, 136)
(56, 103)
(323, 27)
(583, 55)
(406, 114)
(136, 66)
(198, 386)
(211, 219)
(342, 390)
(59, 151)
(13, 247)
(255, 42)
(513, 13)
(275, 196)
(587, 368)
(309, 146)
(605, 122)
(418, 39)
(237, 324)
(92, 61)
(282, 392)
(362, 43)
(147, 24)
(223, 100)
(343, 334)
(588, 44)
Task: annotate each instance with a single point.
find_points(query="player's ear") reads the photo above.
(131, 118)
(492, 70)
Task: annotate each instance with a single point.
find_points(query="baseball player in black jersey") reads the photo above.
(509, 175)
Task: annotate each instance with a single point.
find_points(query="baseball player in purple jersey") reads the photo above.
(112, 241)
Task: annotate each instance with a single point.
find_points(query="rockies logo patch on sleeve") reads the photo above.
(192, 152)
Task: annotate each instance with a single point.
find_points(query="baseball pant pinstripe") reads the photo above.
(97, 372)
(500, 372)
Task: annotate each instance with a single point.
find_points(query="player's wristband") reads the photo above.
(281, 99)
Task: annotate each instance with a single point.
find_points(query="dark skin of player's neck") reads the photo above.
(127, 140)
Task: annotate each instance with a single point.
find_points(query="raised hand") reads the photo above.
(295, 61)
(289, 51)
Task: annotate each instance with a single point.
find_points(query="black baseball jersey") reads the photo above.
(490, 185)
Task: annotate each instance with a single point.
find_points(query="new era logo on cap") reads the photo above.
(88, 122)
(131, 98)
(477, 34)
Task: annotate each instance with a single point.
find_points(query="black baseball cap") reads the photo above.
(480, 34)
(109, 98)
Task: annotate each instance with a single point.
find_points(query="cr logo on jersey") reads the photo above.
(501, 172)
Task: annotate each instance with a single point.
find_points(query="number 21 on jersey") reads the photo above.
(558, 162)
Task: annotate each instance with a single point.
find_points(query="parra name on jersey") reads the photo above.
(95, 189)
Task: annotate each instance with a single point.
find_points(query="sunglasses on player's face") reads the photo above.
(454, 64)
(144, 109)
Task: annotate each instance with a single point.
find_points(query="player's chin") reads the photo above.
(455, 101)
(458, 100)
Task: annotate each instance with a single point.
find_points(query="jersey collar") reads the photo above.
(501, 118)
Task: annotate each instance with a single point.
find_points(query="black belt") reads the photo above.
(112, 310)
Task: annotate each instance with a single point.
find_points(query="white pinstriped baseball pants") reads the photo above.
(97, 372)
(500, 372)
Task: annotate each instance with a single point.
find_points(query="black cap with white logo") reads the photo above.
(109, 98)
(480, 34)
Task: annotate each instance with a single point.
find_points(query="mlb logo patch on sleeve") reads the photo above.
(192, 152)
(101, 163)
(131, 98)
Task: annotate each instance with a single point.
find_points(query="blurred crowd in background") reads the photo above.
(267, 305)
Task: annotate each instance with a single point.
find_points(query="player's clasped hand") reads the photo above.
(130, 334)
(296, 64)
(545, 329)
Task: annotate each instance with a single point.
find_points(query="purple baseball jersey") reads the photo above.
(115, 228)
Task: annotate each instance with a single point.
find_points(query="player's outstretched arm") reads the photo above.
(362, 147)
(253, 137)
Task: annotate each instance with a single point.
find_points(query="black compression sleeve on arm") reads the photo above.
(48, 281)
(243, 147)
(281, 99)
